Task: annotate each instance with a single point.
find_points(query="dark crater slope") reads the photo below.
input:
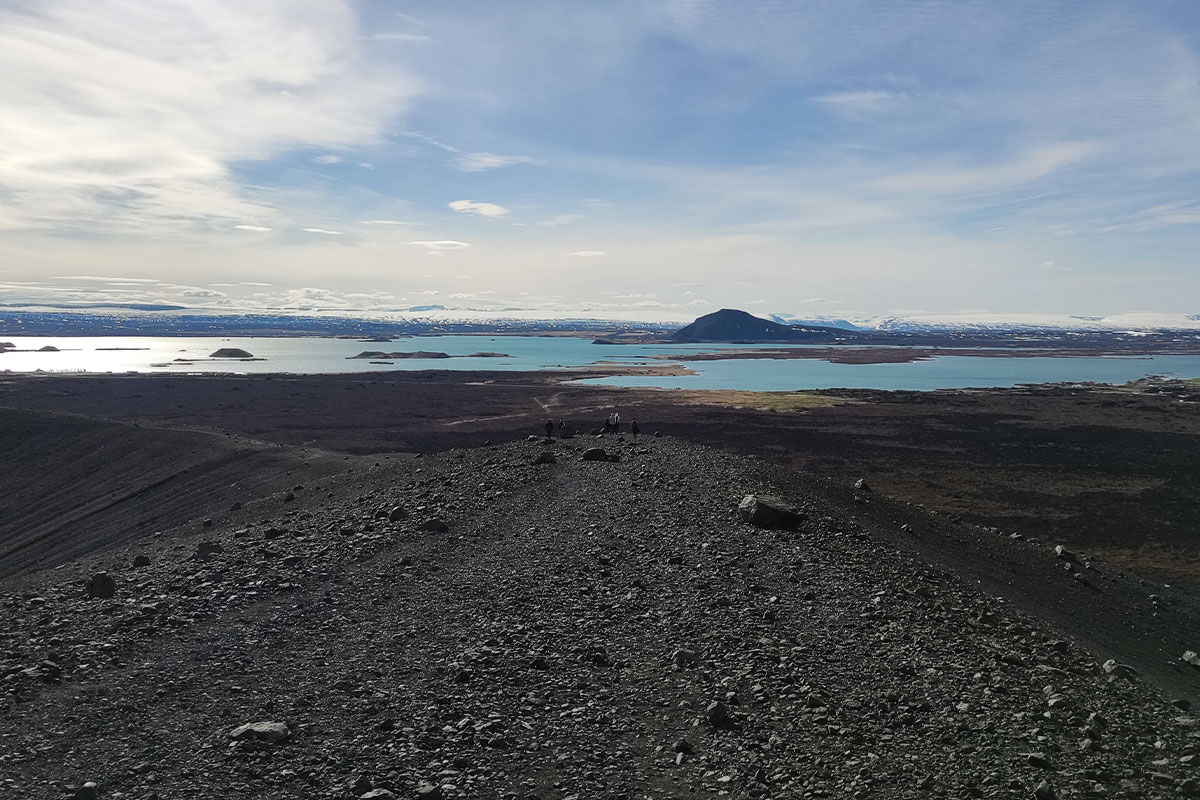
(471, 624)
(70, 485)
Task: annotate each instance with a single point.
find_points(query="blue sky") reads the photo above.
(638, 159)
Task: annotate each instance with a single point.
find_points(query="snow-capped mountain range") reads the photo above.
(993, 322)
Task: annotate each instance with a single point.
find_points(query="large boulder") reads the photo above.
(769, 512)
(598, 454)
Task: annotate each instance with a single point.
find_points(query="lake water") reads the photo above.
(325, 356)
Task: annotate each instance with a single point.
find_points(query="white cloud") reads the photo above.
(105, 279)
(323, 231)
(482, 209)
(201, 293)
(444, 244)
(561, 219)
(401, 37)
(328, 158)
(588, 253)
(481, 162)
(389, 222)
(128, 118)
(255, 228)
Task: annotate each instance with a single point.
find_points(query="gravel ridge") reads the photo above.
(571, 629)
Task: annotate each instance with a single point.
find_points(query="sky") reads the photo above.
(644, 159)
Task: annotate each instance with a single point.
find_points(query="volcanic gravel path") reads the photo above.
(582, 629)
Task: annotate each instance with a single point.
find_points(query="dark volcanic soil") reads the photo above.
(1095, 467)
(592, 629)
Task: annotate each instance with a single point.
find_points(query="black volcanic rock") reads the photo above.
(731, 325)
(413, 354)
(231, 352)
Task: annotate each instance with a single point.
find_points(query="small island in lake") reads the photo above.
(379, 355)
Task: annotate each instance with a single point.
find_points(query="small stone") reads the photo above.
(861, 485)
(434, 525)
(1119, 670)
(209, 548)
(1065, 554)
(1044, 791)
(683, 658)
(141, 561)
(683, 746)
(377, 794)
(273, 732)
(101, 585)
(717, 713)
(1191, 657)
(595, 454)
(396, 514)
(88, 791)
(545, 457)
(1182, 705)
(1190, 787)
(429, 791)
(1038, 760)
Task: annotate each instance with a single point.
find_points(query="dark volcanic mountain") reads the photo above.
(731, 325)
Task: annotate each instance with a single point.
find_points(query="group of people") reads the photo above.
(611, 425)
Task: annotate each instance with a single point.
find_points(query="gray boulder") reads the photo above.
(273, 732)
(769, 512)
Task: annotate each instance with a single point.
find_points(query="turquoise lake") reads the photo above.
(332, 356)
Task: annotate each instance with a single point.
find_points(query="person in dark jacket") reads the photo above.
(549, 429)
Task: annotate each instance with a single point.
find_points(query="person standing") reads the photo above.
(634, 429)
(616, 422)
(549, 429)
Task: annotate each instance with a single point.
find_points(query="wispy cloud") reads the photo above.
(561, 219)
(401, 37)
(866, 101)
(588, 253)
(255, 228)
(323, 231)
(481, 162)
(389, 222)
(443, 244)
(482, 209)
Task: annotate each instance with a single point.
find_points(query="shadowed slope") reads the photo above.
(70, 485)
